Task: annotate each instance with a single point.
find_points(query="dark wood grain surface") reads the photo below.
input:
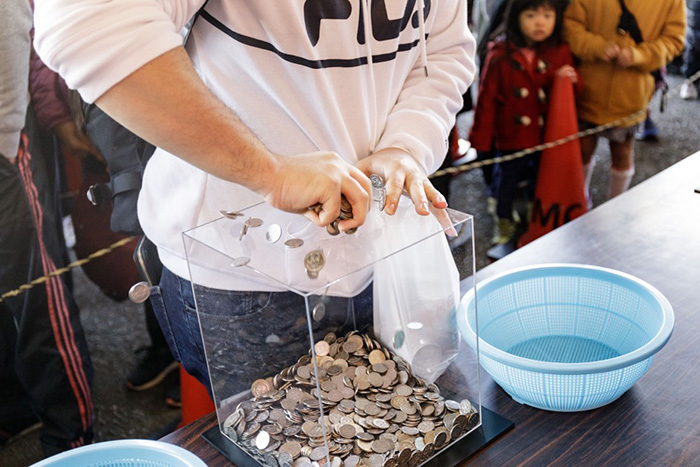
(652, 232)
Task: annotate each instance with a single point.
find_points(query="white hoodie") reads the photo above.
(303, 75)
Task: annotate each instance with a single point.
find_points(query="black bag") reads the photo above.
(628, 23)
(126, 155)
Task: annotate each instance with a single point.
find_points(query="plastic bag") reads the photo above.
(416, 291)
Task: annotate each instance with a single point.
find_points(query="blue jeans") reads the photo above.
(247, 335)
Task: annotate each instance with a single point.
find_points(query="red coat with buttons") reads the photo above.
(513, 96)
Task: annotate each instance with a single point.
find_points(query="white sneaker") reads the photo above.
(688, 91)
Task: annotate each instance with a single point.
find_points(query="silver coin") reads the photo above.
(294, 242)
(241, 261)
(378, 191)
(314, 262)
(270, 460)
(262, 440)
(244, 231)
(274, 232)
(230, 214)
(139, 292)
(377, 181)
(399, 338)
(319, 312)
(285, 459)
(254, 222)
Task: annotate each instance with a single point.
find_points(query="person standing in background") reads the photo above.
(618, 72)
(45, 366)
(691, 55)
(513, 99)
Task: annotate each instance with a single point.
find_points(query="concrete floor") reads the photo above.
(116, 330)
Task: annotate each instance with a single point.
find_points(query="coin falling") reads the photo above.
(244, 231)
(294, 243)
(314, 261)
(254, 222)
(399, 338)
(240, 261)
(230, 214)
(319, 312)
(375, 414)
(274, 232)
(139, 292)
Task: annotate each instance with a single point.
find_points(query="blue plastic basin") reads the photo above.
(566, 337)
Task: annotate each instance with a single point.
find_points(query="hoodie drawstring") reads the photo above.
(367, 22)
(370, 66)
(421, 31)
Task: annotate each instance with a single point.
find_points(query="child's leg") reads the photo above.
(622, 169)
(588, 145)
(510, 174)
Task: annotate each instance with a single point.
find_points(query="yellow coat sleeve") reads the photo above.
(652, 55)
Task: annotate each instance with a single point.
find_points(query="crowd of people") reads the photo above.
(296, 113)
(615, 72)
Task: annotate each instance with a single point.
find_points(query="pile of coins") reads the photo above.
(345, 213)
(375, 412)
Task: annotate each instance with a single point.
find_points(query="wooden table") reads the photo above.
(652, 232)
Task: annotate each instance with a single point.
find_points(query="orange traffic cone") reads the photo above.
(559, 194)
(196, 402)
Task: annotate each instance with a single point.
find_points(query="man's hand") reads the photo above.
(301, 181)
(402, 172)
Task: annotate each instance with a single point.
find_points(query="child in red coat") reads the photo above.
(513, 98)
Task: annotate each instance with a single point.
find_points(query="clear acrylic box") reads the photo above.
(301, 377)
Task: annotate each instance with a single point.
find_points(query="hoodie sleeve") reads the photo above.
(424, 113)
(15, 24)
(94, 44)
(652, 55)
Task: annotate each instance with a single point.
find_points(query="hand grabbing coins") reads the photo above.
(345, 213)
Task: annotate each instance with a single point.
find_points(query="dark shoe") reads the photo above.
(18, 428)
(172, 395)
(156, 364)
(502, 249)
(649, 131)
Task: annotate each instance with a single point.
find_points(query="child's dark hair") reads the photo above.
(513, 33)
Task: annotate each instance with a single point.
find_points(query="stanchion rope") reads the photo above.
(447, 171)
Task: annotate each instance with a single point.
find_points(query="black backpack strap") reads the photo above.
(628, 23)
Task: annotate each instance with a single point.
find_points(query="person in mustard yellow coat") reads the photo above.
(617, 71)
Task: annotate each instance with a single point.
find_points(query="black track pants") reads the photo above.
(44, 360)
